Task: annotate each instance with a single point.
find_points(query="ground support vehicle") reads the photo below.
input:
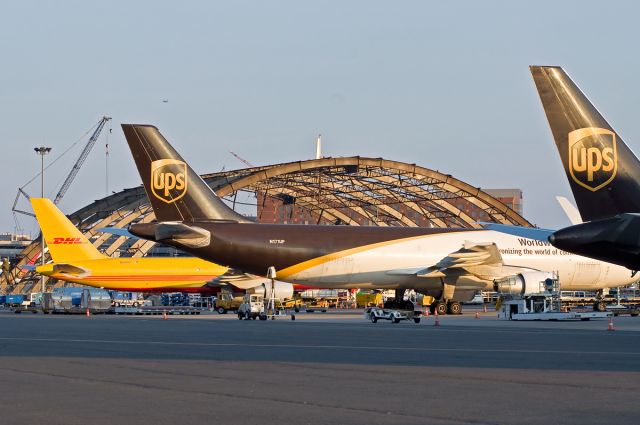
(395, 315)
(540, 308)
(227, 302)
(316, 305)
(126, 299)
(621, 310)
(543, 301)
(252, 307)
(369, 299)
(294, 304)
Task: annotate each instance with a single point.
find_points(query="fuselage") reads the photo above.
(150, 274)
(362, 257)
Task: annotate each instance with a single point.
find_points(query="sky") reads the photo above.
(445, 85)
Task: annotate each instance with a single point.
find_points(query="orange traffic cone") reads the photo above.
(164, 314)
(426, 311)
(610, 327)
(88, 312)
(477, 315)
(437, 322)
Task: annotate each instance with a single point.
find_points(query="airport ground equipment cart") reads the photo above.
(539, 308)
(226, 301)
(539, 299)
(394, 315)
(621, 309)
(252, 307)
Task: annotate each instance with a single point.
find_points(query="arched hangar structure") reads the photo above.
(349, 190)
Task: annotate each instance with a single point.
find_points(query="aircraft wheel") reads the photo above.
(441, 308)
(455, 307)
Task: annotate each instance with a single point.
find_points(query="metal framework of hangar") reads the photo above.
(347, 190)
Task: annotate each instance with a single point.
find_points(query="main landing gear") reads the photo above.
(446, 307)
(599, 304)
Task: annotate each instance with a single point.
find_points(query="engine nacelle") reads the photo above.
(525, 283)
(283, 290)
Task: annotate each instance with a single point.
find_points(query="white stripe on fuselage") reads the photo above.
(368, 268)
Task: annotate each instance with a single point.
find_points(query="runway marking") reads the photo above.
(347, 347)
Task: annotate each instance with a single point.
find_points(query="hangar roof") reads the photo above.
(346, 190)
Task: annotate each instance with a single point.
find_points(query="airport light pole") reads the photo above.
(42, 151)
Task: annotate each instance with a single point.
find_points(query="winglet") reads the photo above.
(572, 212)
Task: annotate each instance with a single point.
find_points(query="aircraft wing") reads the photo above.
(471, 255)
(482, 260)
(525, 232)
(239, 280)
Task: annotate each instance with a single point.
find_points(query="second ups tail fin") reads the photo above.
(66, 243)
(176, 192)
(603, 172)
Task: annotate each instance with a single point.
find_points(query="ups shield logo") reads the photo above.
(168, 179)
(593, 157)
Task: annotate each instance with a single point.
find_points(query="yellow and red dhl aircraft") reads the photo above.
(76, 260)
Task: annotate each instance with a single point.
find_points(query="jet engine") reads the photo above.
(283, 290)
(525, 283)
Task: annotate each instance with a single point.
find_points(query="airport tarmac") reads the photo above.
(333, 368)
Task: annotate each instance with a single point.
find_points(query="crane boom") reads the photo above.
(81, 159)
(244, 161)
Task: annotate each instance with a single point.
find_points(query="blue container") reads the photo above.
(3, 299)
(14, 299)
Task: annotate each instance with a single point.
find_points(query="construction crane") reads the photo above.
(244, 161)
(81, 159)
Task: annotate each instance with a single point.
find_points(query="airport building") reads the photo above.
(352, 191)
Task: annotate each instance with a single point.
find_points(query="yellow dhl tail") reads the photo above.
(66, 243)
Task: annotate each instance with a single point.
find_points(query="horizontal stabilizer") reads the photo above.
(525, 232)
(118, 231)
(191, 236)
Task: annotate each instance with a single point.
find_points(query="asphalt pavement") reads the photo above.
(333, 368)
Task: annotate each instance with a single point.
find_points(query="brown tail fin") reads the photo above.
(176, 192)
